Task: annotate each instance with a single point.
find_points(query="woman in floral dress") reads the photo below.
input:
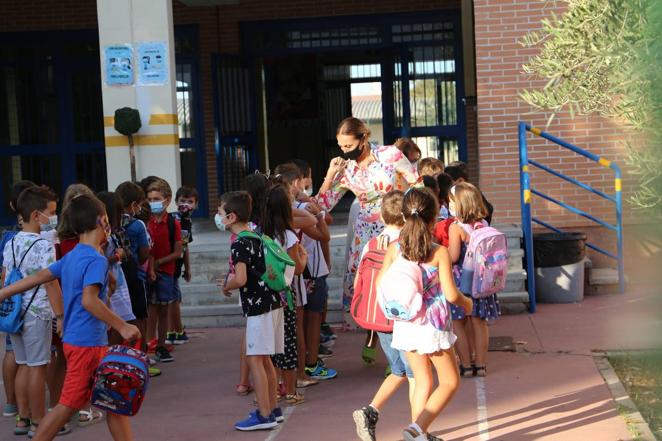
(369, 173)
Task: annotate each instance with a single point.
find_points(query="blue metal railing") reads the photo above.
(526, 191)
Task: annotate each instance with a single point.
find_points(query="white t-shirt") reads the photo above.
(393, 234)
(316, 262)
(298, 284)
(41, 256)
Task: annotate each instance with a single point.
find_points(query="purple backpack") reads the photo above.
(485, 266)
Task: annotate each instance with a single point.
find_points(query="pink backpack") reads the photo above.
(485, 266)
(400, 291)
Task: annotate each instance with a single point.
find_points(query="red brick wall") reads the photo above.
(499, 25)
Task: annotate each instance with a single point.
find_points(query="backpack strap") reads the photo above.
(249, 235)
(171, 232)
(34, 293)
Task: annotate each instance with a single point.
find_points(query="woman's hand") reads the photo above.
(337, 165)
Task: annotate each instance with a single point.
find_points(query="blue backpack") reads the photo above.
(11, 319)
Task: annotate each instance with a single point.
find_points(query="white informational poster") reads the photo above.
(153, 64)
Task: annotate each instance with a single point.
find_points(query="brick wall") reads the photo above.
(499, 24)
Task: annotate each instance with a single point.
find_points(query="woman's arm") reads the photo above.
(42, 277)
(454, 242)
(448, 284)
(334, 187)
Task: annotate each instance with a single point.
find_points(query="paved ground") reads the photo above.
(549, 390)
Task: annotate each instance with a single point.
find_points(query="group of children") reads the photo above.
(105, 272)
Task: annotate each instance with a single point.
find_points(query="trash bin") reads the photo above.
(559, 266)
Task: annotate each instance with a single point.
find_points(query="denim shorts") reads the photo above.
(178, 291)
(396, 359)
(162, 291)
(318, 296)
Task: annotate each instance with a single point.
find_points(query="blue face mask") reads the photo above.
(156, 207)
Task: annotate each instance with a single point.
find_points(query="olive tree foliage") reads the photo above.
(603, 57)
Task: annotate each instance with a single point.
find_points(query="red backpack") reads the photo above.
(365, 309)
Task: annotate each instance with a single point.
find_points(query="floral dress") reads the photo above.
(390, 170)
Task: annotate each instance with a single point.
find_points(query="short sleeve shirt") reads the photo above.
(5, 239)
(256, 297)
(84, 266)
(161, 238)
(137, 234)
(187, 238)
(40, 257)
(316, 262)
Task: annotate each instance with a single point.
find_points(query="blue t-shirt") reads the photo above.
(137, 234)
(83, 266)
(6, 238)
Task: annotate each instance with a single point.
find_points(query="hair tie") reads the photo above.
(414, 212)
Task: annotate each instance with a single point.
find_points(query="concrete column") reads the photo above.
(131, 22)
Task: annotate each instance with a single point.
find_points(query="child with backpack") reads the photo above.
(472, 259)
(9, 366)
(27, 317)
(277, 223)
(166, 236)
(85, 282)
(368, 314)
(414, 287)
(260, 304)
(186, 199)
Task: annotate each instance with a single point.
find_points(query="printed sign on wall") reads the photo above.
(153, 64)
(118, 64)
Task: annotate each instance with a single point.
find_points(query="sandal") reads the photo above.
(480, 371)
(243, 389)
(295, 399)
(306, 382)
(89, 417)
(369, 355)
(467, 372)
(24, 428)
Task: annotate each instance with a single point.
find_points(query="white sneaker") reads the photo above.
(414, 433)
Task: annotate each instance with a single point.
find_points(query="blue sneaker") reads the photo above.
(321, 372)
(180, 338)
(255, 421)
(277, 414)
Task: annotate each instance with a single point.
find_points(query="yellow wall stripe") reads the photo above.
(604, 162)
(109, 121)
(157, 119)
(142, 140)
(618, 184)
(527, 196)
(536, 131)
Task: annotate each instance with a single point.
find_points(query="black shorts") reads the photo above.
(137, 292)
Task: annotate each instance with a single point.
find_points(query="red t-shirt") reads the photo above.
(441, 230)
(67, 245)
(158, 229)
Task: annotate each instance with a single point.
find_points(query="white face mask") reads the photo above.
(218, 220)
(52, 223)
(308, 191)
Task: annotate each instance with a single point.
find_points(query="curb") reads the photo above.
(626, 407)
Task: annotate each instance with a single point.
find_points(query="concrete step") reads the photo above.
(602, 281)
(513, 297)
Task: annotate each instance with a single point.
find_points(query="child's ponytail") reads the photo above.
(419, 209)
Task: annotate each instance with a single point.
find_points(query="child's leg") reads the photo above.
(462, 343)
(471, 338)
(290, 377)
(37, 392)
(177, 317)
(162, 319)
(389, 386)
(481, 339)
(449, 381)
(53, 422)
(260, 382)
(152, 319)
(9, 370)
(272, 381)
(301, 344)
(313, 333)
(244, 378)
(420, 365)
(21, 390)
(120, 427)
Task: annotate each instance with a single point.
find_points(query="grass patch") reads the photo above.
(641, 374)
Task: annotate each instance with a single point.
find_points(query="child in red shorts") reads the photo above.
(84, 276)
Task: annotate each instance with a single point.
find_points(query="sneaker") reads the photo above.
(278, 415)
(413, 433)
(181, 338)
(326, 330)
(366, 422)
(154, 372)
(10, 410)
(434, 438)
(325, 352)
(171, 337)
(151, 346)
(163, 355)
(152, 362)
(327, 341)
(319, 372)
(255, 421)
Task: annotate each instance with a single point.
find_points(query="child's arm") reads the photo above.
(454, 242)
(448, 284)
(143, 255)
(57, 303)
(238, 280)
(170, 257)
(151, 272)
(298, 254)
(93, 304)
(388, 260)
(187, 266)
(319, 232)
(42, 277)
(302, 219)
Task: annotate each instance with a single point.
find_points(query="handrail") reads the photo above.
(526, 191)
